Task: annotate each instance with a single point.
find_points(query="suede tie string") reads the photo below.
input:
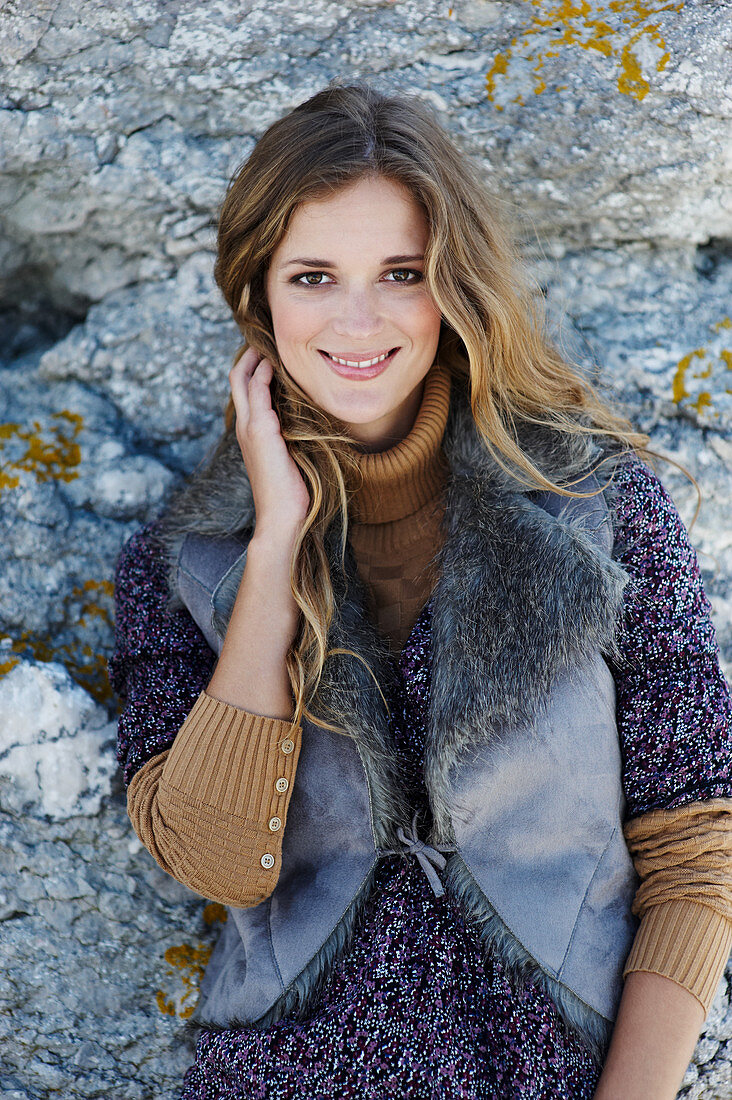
(427, 855)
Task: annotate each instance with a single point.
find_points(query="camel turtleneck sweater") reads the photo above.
(395, 516)
(217, 800)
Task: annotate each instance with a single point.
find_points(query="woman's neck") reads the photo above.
(400, 479)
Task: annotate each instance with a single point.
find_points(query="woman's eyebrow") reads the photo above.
(402, 259)
(329, 263)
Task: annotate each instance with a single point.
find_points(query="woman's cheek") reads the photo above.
(292, 328)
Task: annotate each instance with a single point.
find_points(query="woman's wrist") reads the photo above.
(251, 672)
(267, 573)
(655, 1034)
(274, 543)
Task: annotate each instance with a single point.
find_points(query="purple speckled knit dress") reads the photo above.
(413, 1008)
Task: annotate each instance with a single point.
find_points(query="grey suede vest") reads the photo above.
(522, 761)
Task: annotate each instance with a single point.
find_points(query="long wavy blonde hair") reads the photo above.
(492, 333)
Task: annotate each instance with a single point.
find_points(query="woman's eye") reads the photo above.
(405, 275)
(311, 278)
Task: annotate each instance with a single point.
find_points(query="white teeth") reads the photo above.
(367, 363)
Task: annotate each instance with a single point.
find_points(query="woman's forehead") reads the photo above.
(371, 215)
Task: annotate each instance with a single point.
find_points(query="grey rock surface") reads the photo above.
(101, 955)
(74, 484)
(161, 353)
(56, 744)
(605, 127)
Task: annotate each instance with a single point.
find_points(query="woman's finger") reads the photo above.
(240, 394)
(246, 364)
(260, 397)
(239, 378)
(249, 358)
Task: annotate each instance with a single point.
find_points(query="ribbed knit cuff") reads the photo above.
(230, 758)
(686, 942)
(212, 809)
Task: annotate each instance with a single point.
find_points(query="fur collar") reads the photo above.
(523, 592)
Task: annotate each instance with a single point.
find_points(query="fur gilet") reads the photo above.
(522, 762)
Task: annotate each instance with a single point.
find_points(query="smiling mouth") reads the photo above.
(358, 362)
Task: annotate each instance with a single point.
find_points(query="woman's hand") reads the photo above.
(251, 672)
(281, 498)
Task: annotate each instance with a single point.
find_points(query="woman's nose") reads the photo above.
(358, 315)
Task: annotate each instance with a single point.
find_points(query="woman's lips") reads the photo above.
(363, 373)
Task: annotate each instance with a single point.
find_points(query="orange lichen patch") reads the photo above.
(539, 86)
(166, 1007)
(90, 608)
(611, 28)
(631, 80)
(7, 481)
(87, 667)
(186, 966)
(193, 960)
(97, 586)
(703, 401)
(213, 912)
(7, 666)
(679, 383)
(92, 674)
(48, 453)
(498, 68)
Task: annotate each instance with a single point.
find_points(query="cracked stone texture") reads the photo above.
(605, 127)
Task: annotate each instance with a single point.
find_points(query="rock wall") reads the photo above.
(604, 125)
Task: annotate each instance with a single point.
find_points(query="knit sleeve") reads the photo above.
(682, 857)
(673, 712)
(211, 806)
(212, 809)
(674, 709)
(161, 660)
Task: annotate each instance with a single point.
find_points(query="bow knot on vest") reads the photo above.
(427, 855)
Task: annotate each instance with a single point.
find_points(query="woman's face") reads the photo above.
(345, 289)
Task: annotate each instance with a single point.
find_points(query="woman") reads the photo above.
(371, 654)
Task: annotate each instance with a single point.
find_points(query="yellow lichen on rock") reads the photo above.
(90, 607)
(86, 666)
(213, 912)
(679, 381)
(706, 359)
(498, 68)
(186, 966)
(166, 1007)
(703, 401)
(47, 453)
(611, 28)
(9, 665)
